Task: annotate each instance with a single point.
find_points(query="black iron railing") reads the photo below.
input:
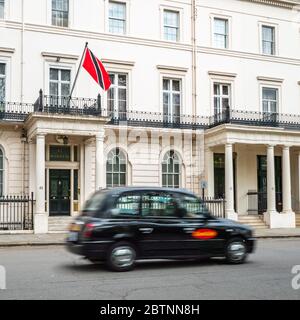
(258, 204)
(216, 206)
(16, 213)
(12, 111)
(92, 107)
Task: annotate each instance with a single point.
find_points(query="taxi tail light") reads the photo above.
(88, 230)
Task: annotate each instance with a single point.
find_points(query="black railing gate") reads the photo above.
(16, 212)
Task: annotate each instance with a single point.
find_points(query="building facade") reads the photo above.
(202, 90)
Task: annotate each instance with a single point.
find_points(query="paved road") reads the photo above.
(53, 273)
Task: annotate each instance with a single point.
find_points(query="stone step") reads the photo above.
(59, 224)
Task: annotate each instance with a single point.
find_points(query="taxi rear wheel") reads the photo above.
(121, 256)
(236, 251)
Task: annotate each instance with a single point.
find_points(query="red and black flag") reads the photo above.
(96, 69)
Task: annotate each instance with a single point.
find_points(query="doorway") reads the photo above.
(60, 192)
(262, 183)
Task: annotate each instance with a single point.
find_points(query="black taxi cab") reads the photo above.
(122, 225)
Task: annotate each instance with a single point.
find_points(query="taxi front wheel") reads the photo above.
(236, 251)
(121, 256)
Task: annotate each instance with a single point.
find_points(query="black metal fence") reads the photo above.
(258, 204)
(216, 206)
(132, 117)
(16, 213)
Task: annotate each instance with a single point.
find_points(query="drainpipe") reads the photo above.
(194, 81)
(22, 53)
(194, 59)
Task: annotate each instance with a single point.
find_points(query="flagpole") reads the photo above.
(75, 80)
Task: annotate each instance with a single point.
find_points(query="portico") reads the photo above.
(261, 166)
(66, 163)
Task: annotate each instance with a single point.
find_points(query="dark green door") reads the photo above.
(60, 188)
(219, 176)
(262, 184)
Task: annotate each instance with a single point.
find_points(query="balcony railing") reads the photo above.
(92, 107)
(12, 111)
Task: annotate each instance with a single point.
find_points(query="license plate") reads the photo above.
(74, 227)
(73, 236)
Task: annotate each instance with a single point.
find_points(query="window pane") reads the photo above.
(75, 184)
(225, 90)
(220, 26)
(158, 204)
(109, 179)
(166, 84)
(53, 89)
(122, 80)
(176, 85)
(171, 34)
(2, 89)
(1, 9)
(60, 153)
(2, 69)
(171, 18)
(216, 89)
(269, 94)
(117, 17)
(65, 89)
(117, 10)
(53, 74)
(60, 13)
(128, 205)
(65, 75)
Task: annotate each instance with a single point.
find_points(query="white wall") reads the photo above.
(144, 47)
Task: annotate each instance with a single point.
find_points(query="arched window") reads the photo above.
(116, 168)
(1, 173)
(171, 170)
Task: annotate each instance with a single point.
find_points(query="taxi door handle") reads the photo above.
(189, 230)
(146, 230)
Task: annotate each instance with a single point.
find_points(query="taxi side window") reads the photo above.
(193, 206)
(127, 205)
(158, 204)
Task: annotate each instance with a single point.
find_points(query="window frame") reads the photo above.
(171, 114)
(227, 18)
(172, 194)
(60, 11)
(4, 76)
(262, 24)
(3, 170)
(180, 12)
(109, 18)
(221, 96)
(164, 161)
(59, 82)
(177, 28)
(116, 108)
(4, 10)
(124, 194)
(225, 35)
(269, 101)
(113, 150)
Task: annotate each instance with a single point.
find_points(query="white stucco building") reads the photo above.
(203, 90)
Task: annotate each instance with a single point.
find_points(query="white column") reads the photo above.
(271, 196)
(229, 185)
(100, 172)
(209, 171)
(272, 217)
(32, 167)
(88, 172)
(286, 180)
(40, 217)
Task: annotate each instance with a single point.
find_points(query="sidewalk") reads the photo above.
(11, 240)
